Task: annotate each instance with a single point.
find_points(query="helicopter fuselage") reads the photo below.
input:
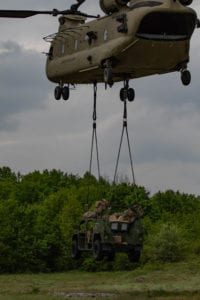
(146, 38)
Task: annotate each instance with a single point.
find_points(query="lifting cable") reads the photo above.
(94, 134)
(94, 141)
(125, 129)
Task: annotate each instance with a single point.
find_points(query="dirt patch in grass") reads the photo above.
(86, 295)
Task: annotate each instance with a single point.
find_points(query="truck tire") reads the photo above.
(134, 255)
(111, 255)
(75, 252)
(97, 250)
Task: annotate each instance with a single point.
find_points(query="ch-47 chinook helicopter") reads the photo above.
(134, 39)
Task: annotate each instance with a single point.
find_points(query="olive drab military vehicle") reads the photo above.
(133, 39)
(103, 235)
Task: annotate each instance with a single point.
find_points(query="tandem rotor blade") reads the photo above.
(25, 13)
(30, 13)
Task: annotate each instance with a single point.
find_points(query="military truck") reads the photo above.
(104, 236)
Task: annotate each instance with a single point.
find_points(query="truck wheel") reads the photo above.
(134, 256)
(111, 255)
(75, 252)
(97, 250)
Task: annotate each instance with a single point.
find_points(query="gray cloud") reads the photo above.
(163, 120)
(22, 81)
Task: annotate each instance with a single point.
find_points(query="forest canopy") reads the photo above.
(39, 211)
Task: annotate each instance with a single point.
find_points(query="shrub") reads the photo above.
(90, 265)
(122, 263)
(169, 246)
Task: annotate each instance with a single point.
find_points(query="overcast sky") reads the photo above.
(37, 132)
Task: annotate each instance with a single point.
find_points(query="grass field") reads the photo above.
(172, 282)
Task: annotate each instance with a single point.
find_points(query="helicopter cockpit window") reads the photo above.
(167, 26)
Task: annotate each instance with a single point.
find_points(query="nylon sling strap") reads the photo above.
(94, 134)
(125, 129)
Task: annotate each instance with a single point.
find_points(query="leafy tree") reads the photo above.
(39, 210)
(8, 183)
(49, 241)
(7, 174)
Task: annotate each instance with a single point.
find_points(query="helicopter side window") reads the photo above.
(167, 26)
(75, 44)
(105, 35)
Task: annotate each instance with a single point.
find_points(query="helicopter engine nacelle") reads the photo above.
(111, 6)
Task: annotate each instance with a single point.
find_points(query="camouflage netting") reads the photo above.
(129, 215)
(100, 207)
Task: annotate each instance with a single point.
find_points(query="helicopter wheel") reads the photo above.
(186, 2)
(127, 93)
(131, 94)
(123, 94)
(65, 93)
(186, 77)
(58, 92)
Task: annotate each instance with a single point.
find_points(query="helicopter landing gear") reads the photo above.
(186, 2)
(58, 92)
(61, 91)
(108, 73)
(185, 77)
(65, 93)
(126, 92)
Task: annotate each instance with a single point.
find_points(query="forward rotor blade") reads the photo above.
(24, 13)
(30, 13)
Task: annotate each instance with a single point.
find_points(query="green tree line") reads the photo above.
(38, 213)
